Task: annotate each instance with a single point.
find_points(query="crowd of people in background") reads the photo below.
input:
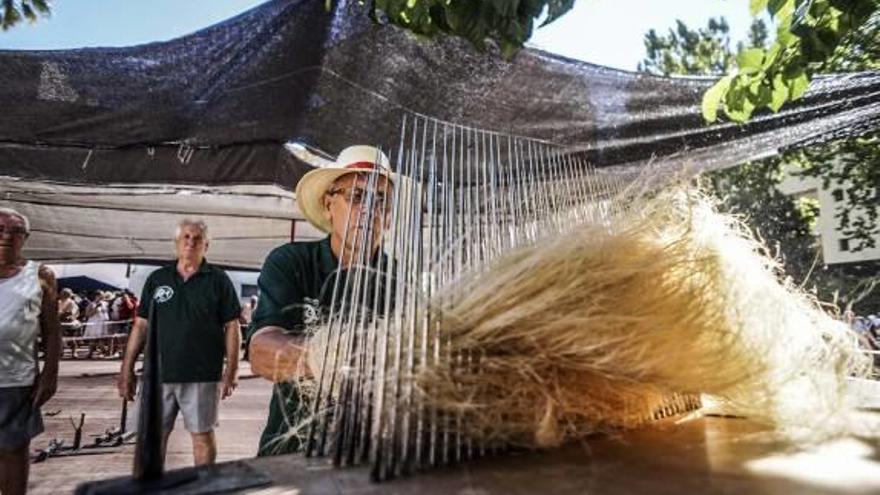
(868, 330)
(98, 314)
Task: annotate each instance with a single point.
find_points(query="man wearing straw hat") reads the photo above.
(350, 201)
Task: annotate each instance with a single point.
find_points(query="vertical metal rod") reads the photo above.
(449, 260)
(430, 273)
(373, 360)
(335, 327)
(419, 315)
(351, 418)
(405, 428)
(495, 219)
(379, 449)
(459, 268)
(317, 425)
(342, 409)
(513, 205)
(401, 309)
(473, 244)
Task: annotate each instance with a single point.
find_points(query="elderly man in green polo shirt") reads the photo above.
(297, 279)
(196, 311)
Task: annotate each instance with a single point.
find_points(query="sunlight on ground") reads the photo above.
(843, 464)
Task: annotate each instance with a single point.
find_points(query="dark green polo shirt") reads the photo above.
(296, 285)
(191, 317)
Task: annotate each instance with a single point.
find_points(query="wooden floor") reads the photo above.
(90, 387)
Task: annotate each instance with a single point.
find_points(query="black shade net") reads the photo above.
(211, 112)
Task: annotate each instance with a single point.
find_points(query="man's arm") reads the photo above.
(137, 339)
(233, 346)
(278, 356)
(50, 332)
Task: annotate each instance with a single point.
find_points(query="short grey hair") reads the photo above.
(188, 222)
(9, 212)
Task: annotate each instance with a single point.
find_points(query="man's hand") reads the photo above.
(228, 383)
(44, 388)
(278, 356)
(126, 383)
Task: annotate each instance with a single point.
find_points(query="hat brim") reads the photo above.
(311, 188)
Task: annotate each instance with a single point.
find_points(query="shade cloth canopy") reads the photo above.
(106, 148)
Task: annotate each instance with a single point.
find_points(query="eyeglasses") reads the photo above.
(13, 230)
(358, 197)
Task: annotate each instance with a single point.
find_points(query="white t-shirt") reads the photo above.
(22, 297)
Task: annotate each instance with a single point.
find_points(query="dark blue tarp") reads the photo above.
(84, 284)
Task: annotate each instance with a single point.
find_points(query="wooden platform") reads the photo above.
(706, 455)
(699, 456)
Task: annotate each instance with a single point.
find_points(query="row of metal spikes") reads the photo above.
(461, 199)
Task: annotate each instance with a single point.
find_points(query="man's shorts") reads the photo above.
(198, 402)
(19, 420)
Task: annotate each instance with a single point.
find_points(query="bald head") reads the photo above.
(10, 213)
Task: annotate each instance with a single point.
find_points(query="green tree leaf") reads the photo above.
(775, 7)
(797, 86)
(712, 98)
(779, 93)
(750, 60)
(756, 6)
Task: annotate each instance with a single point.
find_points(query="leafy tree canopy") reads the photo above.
(14, 11)
(811, 36)
(785, 223)
(507, 22)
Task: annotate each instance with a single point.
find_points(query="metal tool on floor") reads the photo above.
(57, 447)
(104, 443)
(115, 436)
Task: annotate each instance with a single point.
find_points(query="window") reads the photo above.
(843, 244)
(248, 290)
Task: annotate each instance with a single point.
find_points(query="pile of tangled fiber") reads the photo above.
(599, 328)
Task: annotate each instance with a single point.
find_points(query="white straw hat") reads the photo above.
(354, 159)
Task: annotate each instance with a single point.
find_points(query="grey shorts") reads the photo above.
(198, 402)
(19, 420)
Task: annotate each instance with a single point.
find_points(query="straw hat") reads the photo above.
(311, 188)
